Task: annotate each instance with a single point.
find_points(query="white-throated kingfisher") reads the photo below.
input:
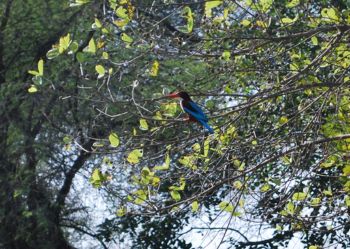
(194, 112)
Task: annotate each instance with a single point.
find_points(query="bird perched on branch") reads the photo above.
(194, 112)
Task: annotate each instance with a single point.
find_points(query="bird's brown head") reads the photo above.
(183, 95)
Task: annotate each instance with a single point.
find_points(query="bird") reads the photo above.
(194, 112)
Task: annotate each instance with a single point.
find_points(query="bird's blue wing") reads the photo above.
(193, 109)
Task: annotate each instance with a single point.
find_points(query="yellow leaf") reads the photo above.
(283, 120)
(122, 12)
(226, 55)
(330, 15)
(196, 147)
(264, 188)
(32, 89)
(121, 22)
(121, 211)
(92, 46)
(347, 201)
(209, 5)
(41, 67)
(64, 43)
(346, 170)
(105, 55)
(175, 195)
(315, 202)
(114, 139)
(143, 124)
(313, 247)
(154, 69)
(134, 156)
(299, 196)
(165, 165)
(238, 184)
(226, 206)
(100, 70)
(245, 23)
(100, 44)
(126, 38)
(262, 24)
(195, 206)
(292, 3)
(98, 23)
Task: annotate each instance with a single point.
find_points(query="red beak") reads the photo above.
(173, 95)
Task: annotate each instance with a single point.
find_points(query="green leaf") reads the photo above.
(347, 201)
(194, 206)
(292, 3)
(181, 187)
(74, 46)
(175, 195)
(80, 57)
(114, 139)
(27, 213)
(100, 70)
(299, 196)
(134, 156)
(226, 55)
(32, 89)
(126, 38)
(52, 53)
(314, 41)
(67, 139)
(143, 124)
(188, 15)
(209, 5)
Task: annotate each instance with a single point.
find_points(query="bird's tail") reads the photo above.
(205, 124)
